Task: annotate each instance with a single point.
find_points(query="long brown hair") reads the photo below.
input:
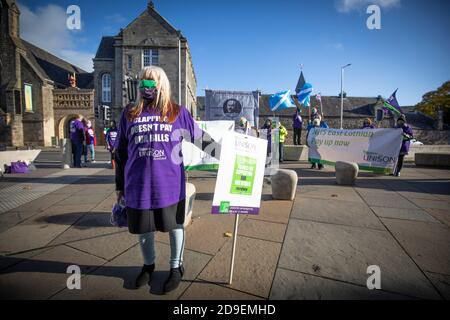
(168, 110)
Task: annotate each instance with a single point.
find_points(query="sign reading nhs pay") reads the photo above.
(240, 176)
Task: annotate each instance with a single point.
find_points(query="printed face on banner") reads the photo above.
(240, 177)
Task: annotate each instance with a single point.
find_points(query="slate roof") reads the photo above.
(55, 69)
(105, 49)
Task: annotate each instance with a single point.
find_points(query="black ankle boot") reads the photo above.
(175, 276)
(145, 275)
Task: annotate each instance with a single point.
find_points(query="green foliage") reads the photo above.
(434, 100)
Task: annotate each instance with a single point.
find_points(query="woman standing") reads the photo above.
(407, 136)
(150, 172)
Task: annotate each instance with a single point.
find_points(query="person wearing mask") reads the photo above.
(297, 123)
(77, 137)
(90, 142)
(282, 134)
(367, 124)
(110, 139)
(150, 173)
(407, 136)
(314, 124)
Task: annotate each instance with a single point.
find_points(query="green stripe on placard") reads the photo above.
(361, 167)
(203, 167)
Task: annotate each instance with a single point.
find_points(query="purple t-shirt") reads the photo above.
(154, 170)
(90, 136)
(297, 120)
(111, 136)
(76, 131)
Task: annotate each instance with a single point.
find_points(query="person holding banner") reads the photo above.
(407, 136)
(314, 124)
(150, 173)
(367, 124)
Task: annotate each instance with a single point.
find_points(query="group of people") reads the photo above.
(82, 136)
(153, 186)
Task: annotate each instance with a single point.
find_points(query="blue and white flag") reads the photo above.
(281, 100)
(304, 95)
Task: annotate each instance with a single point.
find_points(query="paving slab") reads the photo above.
(292, 285)
(431, 204)
(107, 246)
(7, 261)
(44, 274)
(330, 192)
(114, 280)
(274, 211)
(263, 230)
(426, 243)
(254, 269)
(337, 212)
(344, 253)
(34, 233)
(387, 199)
(200, 290)
(211, 228)
(442, 215)
(406, 214)
(90, 226)
(441, 282)
(41, 204)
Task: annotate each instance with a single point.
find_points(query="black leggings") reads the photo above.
(297, 136)
(401, 158)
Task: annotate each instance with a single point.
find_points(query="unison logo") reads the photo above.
(377, 157)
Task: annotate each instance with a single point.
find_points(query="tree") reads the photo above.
(436, 100)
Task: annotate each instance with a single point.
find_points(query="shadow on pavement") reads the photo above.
(125, 273)
(88, 220)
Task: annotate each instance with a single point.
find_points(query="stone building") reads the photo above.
(31, 83)
(148, 40)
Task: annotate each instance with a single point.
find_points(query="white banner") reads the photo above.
(373, 150)
(240, 177)
(196, 159)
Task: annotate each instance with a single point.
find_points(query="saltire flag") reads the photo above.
(301, 82)
(304, 94)
(281, 100)
(392, 105)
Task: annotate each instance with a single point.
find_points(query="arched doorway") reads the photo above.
(63, 126)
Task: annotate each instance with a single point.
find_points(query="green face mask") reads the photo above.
(147, 84)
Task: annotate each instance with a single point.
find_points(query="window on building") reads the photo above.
(28, 95)
(106, 87)
(150, 57)
(130, 62)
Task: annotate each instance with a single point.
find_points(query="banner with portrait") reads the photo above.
(232, 105)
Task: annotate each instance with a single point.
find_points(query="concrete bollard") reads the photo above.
(346, 173)
(66, 153)
(284, 184)
(190, 197)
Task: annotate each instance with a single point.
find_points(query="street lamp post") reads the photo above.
(342, 93)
